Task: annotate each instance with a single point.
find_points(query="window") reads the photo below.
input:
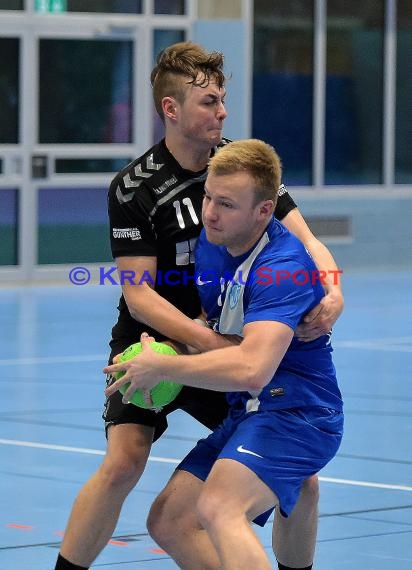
(403, 136)
(11, 5)
(8, 226)
(175, 7)
(73, 225)
(85, 91)
(9, 90)
(105, 6)
(283, 83)
(354, 92)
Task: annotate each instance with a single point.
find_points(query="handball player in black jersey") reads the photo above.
(155, 218)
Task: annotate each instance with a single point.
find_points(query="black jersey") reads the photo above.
(155, 210)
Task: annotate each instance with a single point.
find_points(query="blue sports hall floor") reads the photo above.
(54, 345)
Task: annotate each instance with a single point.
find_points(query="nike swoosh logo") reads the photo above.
(241, 449)
(200, 282)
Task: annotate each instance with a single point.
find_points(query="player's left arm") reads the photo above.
(321, 318)
(248, 366)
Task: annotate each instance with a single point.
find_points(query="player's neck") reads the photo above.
(237, 249)
(189, 158)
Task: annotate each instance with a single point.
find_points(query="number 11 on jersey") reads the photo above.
(188, 203)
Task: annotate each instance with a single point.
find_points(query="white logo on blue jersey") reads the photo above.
(234, 295)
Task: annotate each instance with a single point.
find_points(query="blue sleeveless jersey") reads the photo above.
(276, 280)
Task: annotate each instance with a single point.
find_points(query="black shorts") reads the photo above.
(206, 406)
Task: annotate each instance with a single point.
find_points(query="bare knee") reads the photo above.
(173, 514)
(125, 460)
(160, 524)
(120, 473)
(310, 492)
(209, 510)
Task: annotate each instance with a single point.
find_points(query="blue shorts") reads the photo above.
(282, 447)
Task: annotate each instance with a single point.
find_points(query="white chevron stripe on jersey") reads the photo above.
(140, 174)
(129, 183)
(152, 165)
(123, 198)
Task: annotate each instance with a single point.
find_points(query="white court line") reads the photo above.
(388, 339)
(74, 449)
(86, 450)
(365, 484)
(54, 359)
(371, 345)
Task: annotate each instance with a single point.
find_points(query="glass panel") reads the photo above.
(403, 132)
(85, 91)
(216, 9)
(176, 7)
(354, 92)
(9, 90)
(106, 6)
(283, 83)
(73, 226)
(11, 5)
(89, 165)
(161, 40)
(50, 6)
(8, 227)
(164, 38)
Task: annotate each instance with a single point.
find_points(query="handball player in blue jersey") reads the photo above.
(285, 421)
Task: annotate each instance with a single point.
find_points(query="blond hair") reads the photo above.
(181, 64)
(255, 157)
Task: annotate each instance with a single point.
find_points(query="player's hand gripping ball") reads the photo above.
(164, 392)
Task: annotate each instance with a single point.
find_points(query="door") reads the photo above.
(69, 119)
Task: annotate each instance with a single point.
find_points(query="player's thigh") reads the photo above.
(238, 488)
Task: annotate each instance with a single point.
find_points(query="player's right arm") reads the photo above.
(148, 307)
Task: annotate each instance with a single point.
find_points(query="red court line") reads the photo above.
(157, 550)
(117, 542)
(20, 526)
